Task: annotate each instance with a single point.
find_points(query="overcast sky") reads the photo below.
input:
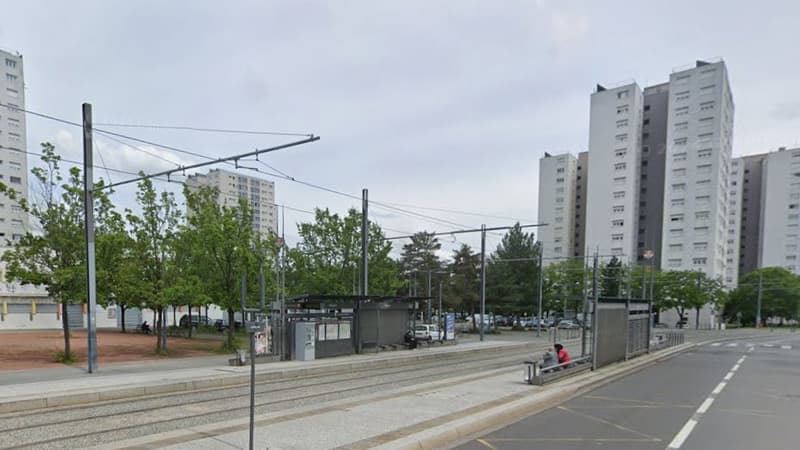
(435, 104)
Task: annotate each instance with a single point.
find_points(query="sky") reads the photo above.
(445, 105)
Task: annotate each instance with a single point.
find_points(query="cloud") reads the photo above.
(786, 111)
(568, 29)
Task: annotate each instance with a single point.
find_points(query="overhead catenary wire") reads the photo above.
(202, 129)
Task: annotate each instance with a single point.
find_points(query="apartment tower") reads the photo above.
(557, 186)
(13, 159)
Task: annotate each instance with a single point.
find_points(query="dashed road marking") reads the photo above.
(733, 344)
(786, 347)
(716, 344)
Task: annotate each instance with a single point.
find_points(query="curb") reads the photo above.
(462, 430)
(142, 390)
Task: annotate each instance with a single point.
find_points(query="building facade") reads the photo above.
(557, 190)
(612, 191)
(780, 219)
(735, 228)
(13, 160)
(231, 186)
(699, 143)
(750, 212)
(581, 184)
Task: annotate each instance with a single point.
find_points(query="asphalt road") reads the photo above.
(741, 394)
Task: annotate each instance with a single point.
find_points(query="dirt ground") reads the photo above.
(35, 349)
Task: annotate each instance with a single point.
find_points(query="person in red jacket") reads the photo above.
(563, 355)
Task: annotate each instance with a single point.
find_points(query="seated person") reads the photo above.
(563, 355)
(549, 361)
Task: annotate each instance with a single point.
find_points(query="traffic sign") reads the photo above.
(648, 254)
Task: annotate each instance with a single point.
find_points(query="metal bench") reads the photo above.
(537, 375)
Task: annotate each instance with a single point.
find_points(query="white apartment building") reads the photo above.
(699, 135)
(557, 181)
(734, 233)
(259, 193)
(615, 130)
(780, 217)
(13, 160)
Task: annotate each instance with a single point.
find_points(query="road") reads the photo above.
(740, 394)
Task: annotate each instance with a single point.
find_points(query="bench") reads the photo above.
(536, 375)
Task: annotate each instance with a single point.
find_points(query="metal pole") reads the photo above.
(541, 277)
(88, 204)
(595, 297)
(758, 300)
(364, 241)
(483, 280)
(441, 319)
(282, 279)
(430, 274)
(252, 385)
(262, 301)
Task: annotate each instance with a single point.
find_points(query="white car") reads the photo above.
(428, 332)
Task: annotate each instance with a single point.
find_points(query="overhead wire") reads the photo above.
(202, 129)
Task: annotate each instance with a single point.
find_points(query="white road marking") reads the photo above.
(705, 405)
(733, 344)
(786, 347)
(768, 345)
(716, 344)
(683, 434)
(750, 349)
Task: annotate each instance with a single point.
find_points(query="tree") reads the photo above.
(222, 247)
(780, 296)
(684, 290)
(419, 255)
(612, 277)
(513, 272)
(154, 233)
(565, 285)
(462, 288)
(55, 256)
(327, 260)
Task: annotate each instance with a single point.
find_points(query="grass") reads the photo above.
(65, 358)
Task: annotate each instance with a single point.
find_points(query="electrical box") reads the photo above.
(305, 336)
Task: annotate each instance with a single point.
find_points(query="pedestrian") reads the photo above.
(563, 355)
(549, 361)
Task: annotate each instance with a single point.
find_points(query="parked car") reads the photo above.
(428, 332)
(660, 325)
(568, 324)
(196, 321)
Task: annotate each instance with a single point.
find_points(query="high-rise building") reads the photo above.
(13, 159)
(699, 139)
(749, 218)
(557, 183)
(735, 227)
(780, 218)
(615, 132)
(581, 183)
(231, 186)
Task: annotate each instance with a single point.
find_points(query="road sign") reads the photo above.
(648, 254)
(279, 242)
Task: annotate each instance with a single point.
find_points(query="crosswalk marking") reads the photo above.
(751, 345)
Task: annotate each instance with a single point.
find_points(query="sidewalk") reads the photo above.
(73, 386)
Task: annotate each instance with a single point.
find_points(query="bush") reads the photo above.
(65, 358)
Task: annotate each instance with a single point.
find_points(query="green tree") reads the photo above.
(512, 272)
(327, 260)
(780, 296)
(565, 285)
(154, 232)
(419, 255)
(55, 256)
(684, 290)
(463, 285)
(613, 278)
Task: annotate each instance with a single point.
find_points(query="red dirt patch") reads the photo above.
(35, 349)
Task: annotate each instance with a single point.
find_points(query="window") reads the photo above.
(707, 73)
(616, 251)
(676, 218)
(617, 237)
(617, 223)
(681, 126)
(618, 209)
(707, 106)
(619, 194)
(623, 109)
(622, 94)
(678, 202)
(682, 79)
(684, 95)
(793, 206)
(702, 215)
(700, 246)
(703, 182)
(706, 90)
(676, 248)
(620, 152)
(620, 166)
(678, 172)
(682, 111)
(17, 222)
(622, 123)
(560, 170)
(560, 190)
(621, 137)
(15, 180)
(11, 64)
(13, 93)
(678, 187)
(681, 141)
(704, 168)
(619, 180)
(705, 136)
(646, 122)
(705, 153)
(701, 230)
(706, 120)
(699, 261)
(11, 78)
(679, 156)
(676, 232)
(560, 180)
(559, 199)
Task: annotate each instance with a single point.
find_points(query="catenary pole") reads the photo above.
(88, 203)
(483, 280)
